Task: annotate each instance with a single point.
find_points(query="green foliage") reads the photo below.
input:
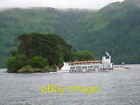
(51, 68)
(16, 62)
(49, 46)
(30, 69)
(38, 51)
(21, 62)
(115, 28)
(38, 62)
(82, 56)
(26, 69)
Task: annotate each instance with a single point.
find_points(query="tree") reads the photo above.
(82, 56)
(49, 46)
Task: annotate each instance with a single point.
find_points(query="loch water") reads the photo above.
(118, 87)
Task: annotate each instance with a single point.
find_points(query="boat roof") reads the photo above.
(86, 62)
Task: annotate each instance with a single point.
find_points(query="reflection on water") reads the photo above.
(120, 87)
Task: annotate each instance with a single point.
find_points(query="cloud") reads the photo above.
(56, 3)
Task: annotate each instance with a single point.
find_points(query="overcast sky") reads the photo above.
(91, 4)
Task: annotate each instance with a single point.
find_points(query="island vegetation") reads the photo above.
(43, 52)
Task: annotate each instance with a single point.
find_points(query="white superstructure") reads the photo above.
(88, 66)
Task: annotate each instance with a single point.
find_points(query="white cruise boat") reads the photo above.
(88, 66)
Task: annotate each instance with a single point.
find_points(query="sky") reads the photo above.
(83, 4)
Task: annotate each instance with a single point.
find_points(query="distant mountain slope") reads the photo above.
(114, 28)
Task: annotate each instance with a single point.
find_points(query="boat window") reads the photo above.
(72, 67)
(90, 66)
(84, 67)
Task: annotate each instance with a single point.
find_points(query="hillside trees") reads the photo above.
(114, 28)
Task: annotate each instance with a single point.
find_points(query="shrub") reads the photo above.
(16, 62)
(38, 62)
(26, 69)
(30, 69)
(20, 63)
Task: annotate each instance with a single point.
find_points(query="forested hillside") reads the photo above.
(114, 28)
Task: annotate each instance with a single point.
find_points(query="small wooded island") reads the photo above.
(43, 52)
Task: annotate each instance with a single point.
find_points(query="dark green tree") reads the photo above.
(49, 46)
(82, 56)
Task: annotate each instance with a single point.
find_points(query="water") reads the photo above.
(120, 87)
